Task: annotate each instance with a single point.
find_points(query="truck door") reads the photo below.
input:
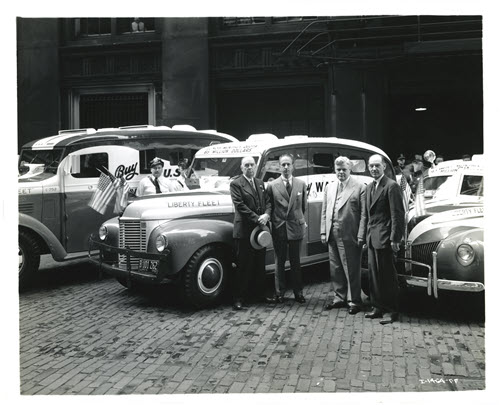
(80, 183)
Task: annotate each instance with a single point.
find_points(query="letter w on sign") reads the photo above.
(106, 190)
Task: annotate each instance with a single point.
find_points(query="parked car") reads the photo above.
(186, 238)
(444, 249)
(59, 174)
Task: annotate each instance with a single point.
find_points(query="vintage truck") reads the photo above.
(59, 174)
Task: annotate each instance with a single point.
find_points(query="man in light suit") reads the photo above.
(385, 230)
(288, 197)
(343, 227)
(252, 208)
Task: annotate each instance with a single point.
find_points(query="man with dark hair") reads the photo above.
(289, 201)
(155, 183)
(385, 230)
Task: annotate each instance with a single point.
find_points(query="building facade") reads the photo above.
(367, 78)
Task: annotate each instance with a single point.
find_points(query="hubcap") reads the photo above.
(21, 259)
(210, 275)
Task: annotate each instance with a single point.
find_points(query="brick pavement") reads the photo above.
(95, 337)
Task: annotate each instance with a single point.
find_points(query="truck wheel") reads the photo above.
(204, 277)
(29, 257)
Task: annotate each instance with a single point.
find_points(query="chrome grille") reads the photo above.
(423, 253)
(26, 208)
(133, 237)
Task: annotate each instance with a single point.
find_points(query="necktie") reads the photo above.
(252, 184)
(341, 187)
(288, 187)
(157, 186)
(374, 188)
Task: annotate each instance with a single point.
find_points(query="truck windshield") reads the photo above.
(37, 165)
(215, 172)
(431, 184)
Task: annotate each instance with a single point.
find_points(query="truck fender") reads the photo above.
(56, 248)
(185, 237)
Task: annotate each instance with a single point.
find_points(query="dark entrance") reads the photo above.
(113, 110)
(281, 111)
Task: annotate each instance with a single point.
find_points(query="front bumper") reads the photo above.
(433, 284)
(155, 275)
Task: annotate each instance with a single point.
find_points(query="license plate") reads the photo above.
(148, 265)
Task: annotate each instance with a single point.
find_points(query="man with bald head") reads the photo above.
(385, 229)
(252, 207)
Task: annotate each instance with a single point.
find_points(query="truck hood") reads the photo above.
(440, 226)
(182, 204)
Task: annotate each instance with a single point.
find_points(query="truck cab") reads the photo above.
(59, 174)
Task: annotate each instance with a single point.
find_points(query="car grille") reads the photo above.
(133, 237)
(423, 253)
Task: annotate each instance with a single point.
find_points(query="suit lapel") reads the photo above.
(282, 189)
(333, 194)
(348, 190)
(293, 194)
(248, 187)
(378, 191)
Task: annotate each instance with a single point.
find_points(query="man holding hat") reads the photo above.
(289, 201)
(155, 183)
(250, 233)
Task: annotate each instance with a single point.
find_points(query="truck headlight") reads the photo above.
(103, 232)
(161, 243)
(465, 254)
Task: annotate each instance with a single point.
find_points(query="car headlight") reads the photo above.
(103, 232)
(161, 243)
(465, 254)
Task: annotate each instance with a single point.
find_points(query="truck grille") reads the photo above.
(423, 253)
(133, 237)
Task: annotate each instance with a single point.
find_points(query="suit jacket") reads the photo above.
(289, 210)
(249, 205)
(386, 215)
(351, 210)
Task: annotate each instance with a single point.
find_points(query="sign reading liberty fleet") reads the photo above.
(201, 203)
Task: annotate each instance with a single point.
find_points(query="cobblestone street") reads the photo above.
(79, 335)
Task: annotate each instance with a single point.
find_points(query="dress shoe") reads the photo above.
(237, 306)
(300, 299)
(270, 300)
(336, 304)
(376, 313)
(354, 309)
(393, 317)
(280, 299)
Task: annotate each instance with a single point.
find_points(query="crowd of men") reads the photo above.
(353, 215)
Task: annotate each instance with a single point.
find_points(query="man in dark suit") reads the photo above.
(385, 231)
(343, 227)
(289, 201)
(252, 208)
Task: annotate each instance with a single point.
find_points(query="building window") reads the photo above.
(134, 25)
(291, 19)
(238, 21)
(86, 27)
(112, 106)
